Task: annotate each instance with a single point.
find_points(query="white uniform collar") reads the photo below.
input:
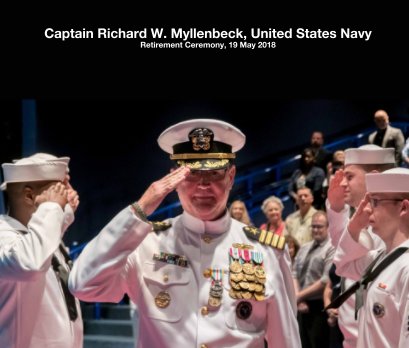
(8, 223)
(218, 226)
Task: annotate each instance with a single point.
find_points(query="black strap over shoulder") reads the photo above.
(62, 275)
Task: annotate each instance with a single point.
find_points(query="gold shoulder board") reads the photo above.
(265, 237)
(159, 226)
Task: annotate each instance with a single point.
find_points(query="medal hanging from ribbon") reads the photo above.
(247, 276)
(216, 289)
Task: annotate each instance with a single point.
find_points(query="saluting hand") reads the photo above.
(360, 219)
(73, 197)
(336, 191)
(55, 193)
(158, 190)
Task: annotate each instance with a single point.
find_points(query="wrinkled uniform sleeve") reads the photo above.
(352, 258)
(26, 256)
(97, 274)
(69, 217)
(337, 222)
(282, 329)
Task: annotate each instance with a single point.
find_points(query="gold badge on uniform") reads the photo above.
(247, 276)
(378, 309)
(162, 299)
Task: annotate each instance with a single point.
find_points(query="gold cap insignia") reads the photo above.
(201, 138)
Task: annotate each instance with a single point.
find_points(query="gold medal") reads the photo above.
(162, 299)
(259, 296)
(259, 288)
(250, 277)
(252, 287)
(235, 286)
(214, 301)
(244, 285)
(248, 268)
(235, 267)
(261, 280)
(259, 271)
(247, 295)
(232, 293)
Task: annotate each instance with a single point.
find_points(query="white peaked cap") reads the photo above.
(391, 180)
(202, 144)
(33, 169)
(370, 154)
(223, 132)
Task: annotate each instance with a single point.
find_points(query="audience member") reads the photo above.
(322, 155)
(312, 265)
(298, 224)
(387, 136)
(308, 175)
(337, 162)
(272, 208)
(239, 212)
(293, 247)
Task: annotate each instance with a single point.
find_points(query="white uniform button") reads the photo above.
(165, 278)
(203, 346)
(207, 273)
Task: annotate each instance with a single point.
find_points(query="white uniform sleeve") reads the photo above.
(283, 332)
(69, 217)
(97, 274)
(352, 258)
(26, 256)
(337, 222)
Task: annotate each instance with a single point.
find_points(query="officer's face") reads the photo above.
(354, 184)
(205, 196)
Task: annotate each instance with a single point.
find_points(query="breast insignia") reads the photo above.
(159, 226)
(265, 237)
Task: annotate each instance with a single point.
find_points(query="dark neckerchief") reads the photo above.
(62, 276)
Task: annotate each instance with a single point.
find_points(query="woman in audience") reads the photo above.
(239, 212)
(293, 246)
(272, 208)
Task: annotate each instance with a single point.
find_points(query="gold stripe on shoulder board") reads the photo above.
(263, 237)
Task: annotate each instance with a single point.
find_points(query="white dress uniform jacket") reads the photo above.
(33, 313)
(338, 223)
(120, 260)
(383, 319)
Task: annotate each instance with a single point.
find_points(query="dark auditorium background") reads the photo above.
(113, 142)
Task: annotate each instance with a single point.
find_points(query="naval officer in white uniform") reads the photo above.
(201, 279)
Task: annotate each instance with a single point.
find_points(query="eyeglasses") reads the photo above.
(318, 227)
(375, 201)
(207, 175)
